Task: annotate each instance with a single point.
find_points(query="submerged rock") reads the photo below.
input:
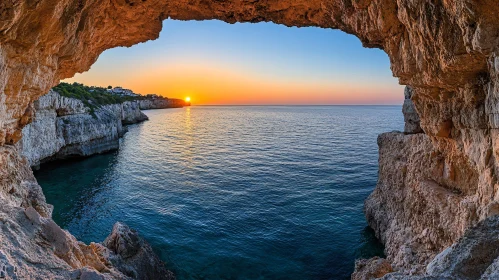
(133, 256)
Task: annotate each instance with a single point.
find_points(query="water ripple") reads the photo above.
(235, 192)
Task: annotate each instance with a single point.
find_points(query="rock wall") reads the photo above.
(411, 117)
(64, 127)
(424, 200)
(447, 51)
(161, 103)
(474, 256)
(32, 246)
(153, 104)
(131, 113)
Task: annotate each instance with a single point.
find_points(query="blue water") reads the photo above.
(235, 192)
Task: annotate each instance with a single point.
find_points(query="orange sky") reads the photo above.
(216, 64)
(207, 85)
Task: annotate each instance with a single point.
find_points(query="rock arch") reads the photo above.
(446, 50)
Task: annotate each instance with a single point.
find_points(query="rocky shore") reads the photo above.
(65, 127)
(33, 246)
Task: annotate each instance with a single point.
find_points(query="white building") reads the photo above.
(122, 91)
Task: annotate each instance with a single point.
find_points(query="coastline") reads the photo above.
(64, 127)
(150, 153)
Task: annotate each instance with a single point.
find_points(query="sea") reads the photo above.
(234, 192)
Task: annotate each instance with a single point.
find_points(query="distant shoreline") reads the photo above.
(299, 105)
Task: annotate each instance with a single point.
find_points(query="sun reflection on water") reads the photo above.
(187, 151)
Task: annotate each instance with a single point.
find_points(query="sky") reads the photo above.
(216, 63)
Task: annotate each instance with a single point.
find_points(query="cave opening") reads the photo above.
(274, 83)
(435, 187)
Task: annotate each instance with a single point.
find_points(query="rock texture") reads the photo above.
(474, 256)
(34, 247)
(426, 197)
(411, 117)
(158, 103)
(447, 51)
(131, 113)
(64, 127)
(133, 256)
(371, 269)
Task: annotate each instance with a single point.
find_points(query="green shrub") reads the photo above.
(92, 97)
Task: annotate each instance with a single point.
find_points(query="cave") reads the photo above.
(433, 185)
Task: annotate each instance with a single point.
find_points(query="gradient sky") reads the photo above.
(218, 63)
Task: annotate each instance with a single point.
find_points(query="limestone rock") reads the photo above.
(65, 127)
(371, 269)
(149, 104)
(133, 256)
(160, 103)
(131, 113)
(426, 197)
(471, 255)
(18, 186)
(411, 117)
(474, 256)
(492, 271)
(34, 247)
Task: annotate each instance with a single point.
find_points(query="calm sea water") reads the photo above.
(235, 192)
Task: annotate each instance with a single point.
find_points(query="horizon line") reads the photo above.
(201, 105)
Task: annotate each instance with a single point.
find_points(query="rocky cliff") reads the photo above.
(33, 246)
(65, 127)
(149, 104)
(432, 187)
(161, 103)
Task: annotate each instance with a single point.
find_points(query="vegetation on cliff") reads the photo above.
(91, 96)
(95, 97)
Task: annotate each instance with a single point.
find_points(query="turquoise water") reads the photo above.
(235, 192)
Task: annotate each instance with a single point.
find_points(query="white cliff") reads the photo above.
(64, 127)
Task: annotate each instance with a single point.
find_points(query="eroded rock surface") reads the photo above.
(411, 117)
(131, 113)
(427, 196)
(65, 127)
(133, 256)
(439, 184)
(474, 256)
(371, 269)
(33, 246)
(161, 103)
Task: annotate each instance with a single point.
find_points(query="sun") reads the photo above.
(187, 99)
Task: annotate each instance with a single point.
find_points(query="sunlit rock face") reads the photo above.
(65, 127)
(433, 187)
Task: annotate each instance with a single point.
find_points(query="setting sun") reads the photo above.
(187, 99)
